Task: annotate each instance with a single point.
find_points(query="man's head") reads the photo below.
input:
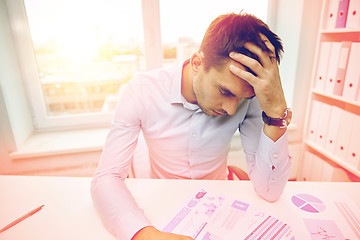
(229, 32)
(216, 90)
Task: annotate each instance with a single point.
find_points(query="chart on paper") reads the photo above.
(325, 215)
(209, 216)
(308, 203)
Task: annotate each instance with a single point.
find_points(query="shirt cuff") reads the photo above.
(277, 152)
(128, 225)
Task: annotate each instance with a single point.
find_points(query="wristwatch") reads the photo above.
(281, 122)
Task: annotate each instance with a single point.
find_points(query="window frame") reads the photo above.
(30, 75)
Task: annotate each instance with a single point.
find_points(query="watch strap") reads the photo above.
(281, 122)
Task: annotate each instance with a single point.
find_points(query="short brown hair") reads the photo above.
(229, 32)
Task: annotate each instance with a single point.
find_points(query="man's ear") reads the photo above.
(196, 60)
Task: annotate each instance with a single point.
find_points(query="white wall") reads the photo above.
(15, 112)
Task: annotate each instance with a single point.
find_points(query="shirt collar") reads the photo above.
(175, 92)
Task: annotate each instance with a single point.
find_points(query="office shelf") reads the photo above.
(316, 144)
(333, 158)
(337, 98)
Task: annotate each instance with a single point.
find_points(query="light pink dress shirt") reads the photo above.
(183, 143)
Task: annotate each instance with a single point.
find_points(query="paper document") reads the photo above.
(324, 215)
(209, 216)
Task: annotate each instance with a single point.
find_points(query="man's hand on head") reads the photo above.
(267, 83)
(151, 233)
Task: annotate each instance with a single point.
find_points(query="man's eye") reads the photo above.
(223, 92)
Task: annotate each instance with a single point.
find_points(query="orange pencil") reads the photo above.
(16, 221)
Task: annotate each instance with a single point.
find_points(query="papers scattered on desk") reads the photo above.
(325, 215)
(211, 217)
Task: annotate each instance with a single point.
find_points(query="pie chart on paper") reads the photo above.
(308, 203)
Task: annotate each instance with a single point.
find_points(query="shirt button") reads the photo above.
(275, 155)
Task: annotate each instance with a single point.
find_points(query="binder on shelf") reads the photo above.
(352, 78)
(332, 67)
(343, 137)
(353, 17)
(342, 14)
(341, 68)
(331, 14)
(328, 172)
(333, 129)
(307, 164)
(313, 120)
(323, 124)
(324, 55)
(316, 169)
(353, 154)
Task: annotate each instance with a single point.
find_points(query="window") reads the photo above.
(76, 54)
(84, 51)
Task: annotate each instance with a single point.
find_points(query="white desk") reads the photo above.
(69, 212)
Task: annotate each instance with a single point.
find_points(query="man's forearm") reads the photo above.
(273, 132)
(269, 166)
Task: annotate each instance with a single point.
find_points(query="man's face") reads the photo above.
(219, 92)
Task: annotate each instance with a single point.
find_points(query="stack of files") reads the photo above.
(345, 132)
(343, 137)
(319, 121)
(337, 14)
(332, 67)
(335, 131)
(338, 72)
(317, 169)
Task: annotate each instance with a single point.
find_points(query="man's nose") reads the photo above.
(230, 106)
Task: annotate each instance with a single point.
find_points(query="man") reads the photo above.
(188, 115)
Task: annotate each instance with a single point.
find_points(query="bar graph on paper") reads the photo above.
(211, 217)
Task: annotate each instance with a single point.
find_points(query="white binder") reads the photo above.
(313, 120)
(324, 56)
(341, 68)
(352, 78)
(332, 14)
(323, 124)
(353, 17)
(333, 129)
(343, 137)
(333, 67)
(353, 154)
